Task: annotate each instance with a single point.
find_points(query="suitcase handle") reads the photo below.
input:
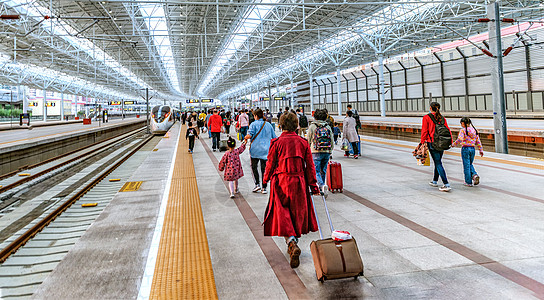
(317, 218)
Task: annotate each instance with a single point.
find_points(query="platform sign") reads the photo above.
(130, 102)
(33, 104)
(50, 104)
(191, 101)
(115, 102)
(279, 98)
(207, 100)
(264, 98)
(131, 186)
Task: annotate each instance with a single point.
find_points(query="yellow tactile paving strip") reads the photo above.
(184, 267)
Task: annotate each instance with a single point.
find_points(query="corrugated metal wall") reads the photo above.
(445, 79)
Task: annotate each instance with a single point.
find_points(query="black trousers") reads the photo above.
(191, 143)
(227, 129)
(255, 168)
(355, 149)
(215, 140)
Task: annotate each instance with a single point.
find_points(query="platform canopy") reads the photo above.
(219, 49)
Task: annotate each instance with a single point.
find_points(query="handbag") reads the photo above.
(345, 145)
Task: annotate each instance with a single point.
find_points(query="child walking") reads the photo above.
(191, 134)
(468, 138)
(230, 163)
(336, 133)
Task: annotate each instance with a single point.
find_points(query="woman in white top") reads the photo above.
(350, 133)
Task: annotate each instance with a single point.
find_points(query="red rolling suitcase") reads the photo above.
(334, 177)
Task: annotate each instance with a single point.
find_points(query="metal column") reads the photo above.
(311, 93)
(25, 101)
(269, 98)
(497, 80)
(147, 109)
(62, 106)
(382, 85)
(339, 91)
(44, 105)
(291, 105)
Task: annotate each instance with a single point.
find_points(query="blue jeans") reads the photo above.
(438, 167)
(321, 160)
(243, 132)
(467, 154)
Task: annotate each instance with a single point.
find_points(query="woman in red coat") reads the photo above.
(291, 172)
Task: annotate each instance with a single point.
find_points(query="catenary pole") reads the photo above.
(497, 79)
(339, 91)
(382, 85)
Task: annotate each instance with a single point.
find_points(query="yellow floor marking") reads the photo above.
(491, 159)
(131, 186)
(24, 174)
(184, 267)
(89, 204)
(115, 179)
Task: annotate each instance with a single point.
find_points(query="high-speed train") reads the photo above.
(162, 118)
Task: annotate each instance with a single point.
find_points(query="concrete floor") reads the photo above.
(12, 137)
(438, 255)
(483, 242)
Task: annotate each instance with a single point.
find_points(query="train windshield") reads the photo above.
(159, 113)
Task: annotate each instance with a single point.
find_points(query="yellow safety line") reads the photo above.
(491, 159)
(184, 267)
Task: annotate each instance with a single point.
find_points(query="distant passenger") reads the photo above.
(191, 134)
(468, 138)
(291, 172)
(322, 143)
(350, 134)
(243, 121)
(230, 163)
(355, 116)
(336, 131)
(260, 133)
(214, 126)
(436, 133)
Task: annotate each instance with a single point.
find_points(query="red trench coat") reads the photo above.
(290, 170)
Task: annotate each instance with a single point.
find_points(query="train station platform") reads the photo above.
(181, 236)
(525, 136)
(56, 130)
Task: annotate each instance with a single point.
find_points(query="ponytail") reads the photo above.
(467, 121)
(435, 107)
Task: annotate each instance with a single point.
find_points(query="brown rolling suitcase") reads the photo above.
(335, 259)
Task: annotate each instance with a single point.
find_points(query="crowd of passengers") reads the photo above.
(294, 159)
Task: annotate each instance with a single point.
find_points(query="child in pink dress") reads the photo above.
(231, 164)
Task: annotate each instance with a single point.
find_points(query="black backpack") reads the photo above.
(303, 121)
(442, 135)
(357, 120)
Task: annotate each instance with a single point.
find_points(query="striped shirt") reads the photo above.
(468, 138)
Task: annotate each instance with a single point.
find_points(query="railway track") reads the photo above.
(54, 223)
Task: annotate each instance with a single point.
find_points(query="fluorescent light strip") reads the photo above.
(67, 33)
(249, 22)
(159, 30)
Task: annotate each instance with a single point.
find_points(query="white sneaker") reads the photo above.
(237, 191)
(231, 196)
(433, 184)
(445, 188)
(256, 189)
(264, 191)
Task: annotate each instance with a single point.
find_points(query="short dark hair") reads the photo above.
(349, 106)
(320, 114)
(190, 124)
(231, 142)
(259, 113)
(289, 121)
(350, 113)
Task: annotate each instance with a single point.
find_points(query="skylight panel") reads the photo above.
(66, 32)
(249, 23)
(158, 29)
(399, 11)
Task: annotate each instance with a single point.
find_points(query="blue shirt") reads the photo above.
(260, 146)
